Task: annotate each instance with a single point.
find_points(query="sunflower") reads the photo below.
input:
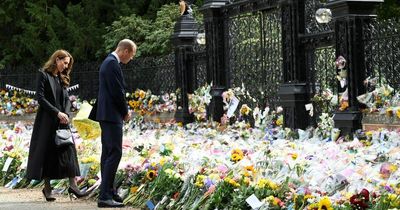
(151, 174)
(131, 104)
(236, 157)
(325, 204)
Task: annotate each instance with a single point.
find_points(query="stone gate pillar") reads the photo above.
(349, 17)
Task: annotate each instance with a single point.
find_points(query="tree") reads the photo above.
(151, 36)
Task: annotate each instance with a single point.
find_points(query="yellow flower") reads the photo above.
(131, 104)
(306, 197)
(368, 133)
(313, 206)
(392, 197)
(294, 156)
(398, 113)
(245, 110)
(137, 93)
(261, 183)
(179, 124)
(250, 168)
(393, 168)
(273, 185)
(151, 174)
(236, 157)
(142, 94)
(232, 182)
(264, 183)
(93, 167)
(134, 189)
(163, 160)
(279, 121)
(325, 204)
(200, 180)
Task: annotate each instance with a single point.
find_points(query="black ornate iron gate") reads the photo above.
(382, 49)
(318, 41)
(254, 50)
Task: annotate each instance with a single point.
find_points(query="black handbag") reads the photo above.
(63, 137)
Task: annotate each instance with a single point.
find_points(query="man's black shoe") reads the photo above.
(109, 204)
(117, 198)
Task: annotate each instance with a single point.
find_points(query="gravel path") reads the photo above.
(30, 199)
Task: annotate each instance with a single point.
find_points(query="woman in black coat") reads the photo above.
(45, 160)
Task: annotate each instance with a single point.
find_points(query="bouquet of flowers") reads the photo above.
(10, 164)
(145, 103)
(16, 103)
(198, 102)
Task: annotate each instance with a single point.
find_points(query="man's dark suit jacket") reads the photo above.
(111, 102)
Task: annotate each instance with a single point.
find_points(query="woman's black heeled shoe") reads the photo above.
(48, 198)
(77, 194)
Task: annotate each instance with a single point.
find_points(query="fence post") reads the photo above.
(349, 17)
(185, 33)
(215, 48)
(294, 92)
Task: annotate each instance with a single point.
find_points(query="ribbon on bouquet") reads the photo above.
(31, 92)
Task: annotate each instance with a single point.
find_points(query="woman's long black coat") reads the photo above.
(46, 123)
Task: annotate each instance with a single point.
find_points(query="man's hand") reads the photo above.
(127, 117)
(63, 118)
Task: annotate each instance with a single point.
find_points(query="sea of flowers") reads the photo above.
(244, 162)
(214, 166)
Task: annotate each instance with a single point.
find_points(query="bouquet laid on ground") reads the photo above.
(145, 103)
(198, 102)
(13, 102)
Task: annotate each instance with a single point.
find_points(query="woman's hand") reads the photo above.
(63, 118)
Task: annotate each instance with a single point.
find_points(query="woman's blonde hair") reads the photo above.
(51, 66)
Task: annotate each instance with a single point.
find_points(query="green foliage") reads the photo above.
(88, 29)
(151, 36)
(158, 41)
(389, 9)
(131, 27)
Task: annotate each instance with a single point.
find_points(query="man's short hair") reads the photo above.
(126, 44)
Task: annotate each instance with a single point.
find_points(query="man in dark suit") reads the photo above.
(111, 112)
